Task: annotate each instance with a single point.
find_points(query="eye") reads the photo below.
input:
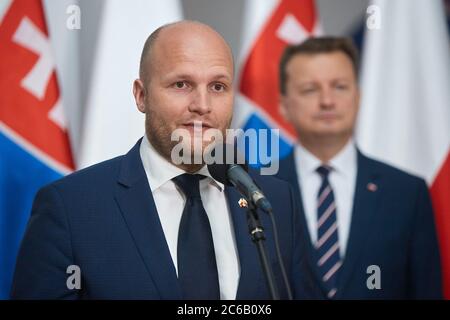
(218, 87)
(308, 90)
(341, 86)
(180, 85)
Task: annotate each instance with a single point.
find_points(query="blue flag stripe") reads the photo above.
(21, 175)
(256, 122)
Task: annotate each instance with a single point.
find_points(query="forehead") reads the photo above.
(321, 65)
(195, 49)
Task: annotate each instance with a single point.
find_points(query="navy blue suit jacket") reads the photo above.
(391, 227)
(104, 220)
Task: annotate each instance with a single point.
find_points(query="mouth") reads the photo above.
(197, 125)
(327, 116)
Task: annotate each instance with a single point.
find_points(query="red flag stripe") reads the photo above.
(440, 194)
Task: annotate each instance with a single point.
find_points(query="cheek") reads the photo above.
(300, 109)
(168, 106)
(350, 109)
(223, 107)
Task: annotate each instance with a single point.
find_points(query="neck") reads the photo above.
(166, 154)
(189, 168)
(324, 148)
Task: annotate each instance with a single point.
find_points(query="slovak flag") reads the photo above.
(269, 26)
(34, 145)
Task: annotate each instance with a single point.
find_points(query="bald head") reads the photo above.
(167, 34)
(186, 77)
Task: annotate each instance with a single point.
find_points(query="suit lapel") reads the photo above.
(134, 197)
(364, 207)
(288, 172)
(248, 257)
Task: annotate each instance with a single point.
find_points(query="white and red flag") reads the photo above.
(405, 109)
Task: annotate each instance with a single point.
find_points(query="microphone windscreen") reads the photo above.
(225, 155)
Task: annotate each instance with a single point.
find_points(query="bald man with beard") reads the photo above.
(143, 226)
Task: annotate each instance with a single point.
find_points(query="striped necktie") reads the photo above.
(327, 245)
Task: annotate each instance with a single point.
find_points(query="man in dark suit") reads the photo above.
(368, 227)
(146, 226)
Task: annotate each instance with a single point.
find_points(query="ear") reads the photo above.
(139, 94)
(358, 98)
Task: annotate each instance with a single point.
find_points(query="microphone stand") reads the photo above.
(257, 234)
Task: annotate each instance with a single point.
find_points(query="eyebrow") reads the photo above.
(188, 76)
(223, 76)
(309, 82)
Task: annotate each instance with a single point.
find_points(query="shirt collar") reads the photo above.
(159, 170)
(305, 160)
(344, 162)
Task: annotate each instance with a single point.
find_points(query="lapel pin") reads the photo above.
(242, 203)
(372, 187)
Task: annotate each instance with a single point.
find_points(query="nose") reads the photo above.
(201, 103)
(326, 99)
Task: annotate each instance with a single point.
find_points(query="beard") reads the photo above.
(159, 133)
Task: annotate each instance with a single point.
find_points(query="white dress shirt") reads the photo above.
(170, 201)
(342, 180)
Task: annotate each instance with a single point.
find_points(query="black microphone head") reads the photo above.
(224, 156)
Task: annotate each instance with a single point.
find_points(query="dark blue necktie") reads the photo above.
(197, 268)
(327, 245)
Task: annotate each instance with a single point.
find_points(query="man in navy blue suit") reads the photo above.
(144, 226)
(368, 227)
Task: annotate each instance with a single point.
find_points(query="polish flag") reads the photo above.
(405, 109)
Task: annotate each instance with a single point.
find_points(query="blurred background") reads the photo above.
(67, 67)
(76, 50)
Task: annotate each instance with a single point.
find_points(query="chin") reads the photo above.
(197, 149)
(326, 133)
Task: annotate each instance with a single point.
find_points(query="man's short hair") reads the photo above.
(318, 45)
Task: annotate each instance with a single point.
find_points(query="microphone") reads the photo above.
(235, 174)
